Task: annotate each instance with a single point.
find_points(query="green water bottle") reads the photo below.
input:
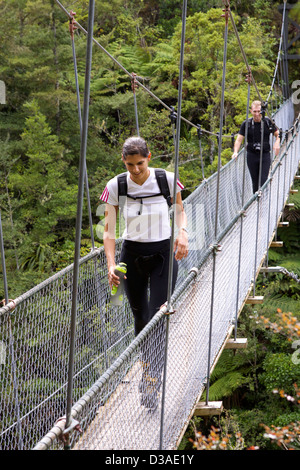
(117, 292)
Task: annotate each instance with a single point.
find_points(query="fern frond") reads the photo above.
(226, 385)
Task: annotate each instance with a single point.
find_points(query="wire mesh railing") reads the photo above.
(35, 331)
(109, 363)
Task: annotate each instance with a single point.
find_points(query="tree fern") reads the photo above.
(230, 373)
(226, 385)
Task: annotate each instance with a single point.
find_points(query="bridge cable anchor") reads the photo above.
(226, 10)
(134, 84)
(74, 425)
(216, 247)
(72, 23)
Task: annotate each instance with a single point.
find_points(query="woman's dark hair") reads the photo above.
(135, 146)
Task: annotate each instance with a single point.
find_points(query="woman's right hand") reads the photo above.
(113, 279)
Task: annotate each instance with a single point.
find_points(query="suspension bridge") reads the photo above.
(71, 372)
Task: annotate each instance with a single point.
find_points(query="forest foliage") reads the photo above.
(39, 125)
(40, 149)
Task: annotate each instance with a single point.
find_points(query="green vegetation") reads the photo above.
(40, 146)
(259, 385)
(39, 126)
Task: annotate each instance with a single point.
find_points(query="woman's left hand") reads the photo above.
(181, 245)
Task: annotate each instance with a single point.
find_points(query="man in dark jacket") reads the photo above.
(254, 145)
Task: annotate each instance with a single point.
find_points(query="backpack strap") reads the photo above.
(162, 182)
(251, 124)
(122, 189)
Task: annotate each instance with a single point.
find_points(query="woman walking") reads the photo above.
(146, 241)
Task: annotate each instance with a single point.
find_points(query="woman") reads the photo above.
(146, 238)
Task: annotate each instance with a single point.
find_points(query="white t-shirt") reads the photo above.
(153, 222)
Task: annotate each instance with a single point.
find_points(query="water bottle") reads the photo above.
(117, 292)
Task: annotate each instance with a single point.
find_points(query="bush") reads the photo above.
(279, 372)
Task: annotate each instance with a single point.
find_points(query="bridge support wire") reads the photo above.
(103, 401)
(82, 172)
(131, 76)
(111, 415)
(243, 202)
(217, 197)
(171, 257)
(262, 124)
(72, 28)
(11, 342)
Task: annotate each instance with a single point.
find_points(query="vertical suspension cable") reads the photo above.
(270, 198)
(285, 59)
(11, 343)
(242, 205)
(285, 163)
(199, 133)
(227, 9)
(279, 51)
(72, 27)
(262, 127)
(79, 213)
(171, 257)
(277, 203)
(291, 159)
(269, 219)
(134, 86)
(173, 124)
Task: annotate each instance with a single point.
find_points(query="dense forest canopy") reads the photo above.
(39, 126)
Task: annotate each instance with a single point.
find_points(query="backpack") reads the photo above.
(162, 182)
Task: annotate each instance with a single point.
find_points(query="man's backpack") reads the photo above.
(162, 182)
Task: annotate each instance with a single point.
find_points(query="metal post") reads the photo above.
(269, 217)
(263, 109)
(11, 344)
(291, 159)
(286, 88)
(134, 85)
(72, 27)
(262, 124)
(171, 257)
(79, 213)
(199, 133)
(243, 201)
(3, 263)
(284, 177)
(217, 198)
(173, 123)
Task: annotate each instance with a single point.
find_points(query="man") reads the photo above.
(254, 145)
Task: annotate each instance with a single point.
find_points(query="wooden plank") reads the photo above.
(271, 269)
(255, 300)
(283, 224)
(211, 409)
(290, 204)
(238, 343)
(293, 191)
(297, 177)
(276, 244)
